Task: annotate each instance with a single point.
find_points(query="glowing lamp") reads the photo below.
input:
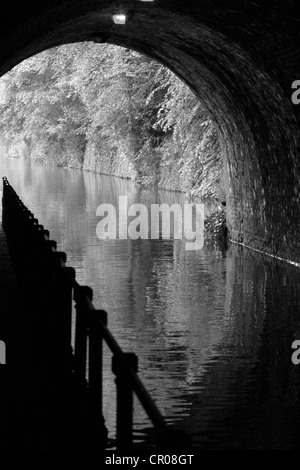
(119, 18)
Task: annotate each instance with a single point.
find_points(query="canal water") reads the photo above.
(213, 330)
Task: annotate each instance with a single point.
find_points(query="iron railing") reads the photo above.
(42, 270)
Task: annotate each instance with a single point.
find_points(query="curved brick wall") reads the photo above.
(239, 56)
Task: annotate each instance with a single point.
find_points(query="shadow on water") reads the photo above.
(212, 329)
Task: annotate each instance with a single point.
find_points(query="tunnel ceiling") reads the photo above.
(240, 57)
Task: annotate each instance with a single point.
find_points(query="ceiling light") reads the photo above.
(119, 18)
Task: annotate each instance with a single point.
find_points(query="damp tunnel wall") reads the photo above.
(240, 58)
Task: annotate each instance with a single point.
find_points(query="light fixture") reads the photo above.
(119, 18)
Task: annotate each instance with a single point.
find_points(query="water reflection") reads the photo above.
(213, 331)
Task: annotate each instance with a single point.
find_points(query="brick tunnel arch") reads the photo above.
(240, 58)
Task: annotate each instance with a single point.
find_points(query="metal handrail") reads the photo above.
(90, 322)
(138, 386)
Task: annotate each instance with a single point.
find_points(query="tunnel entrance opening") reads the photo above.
(111, 110)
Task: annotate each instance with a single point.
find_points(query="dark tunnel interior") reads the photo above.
(239, 57)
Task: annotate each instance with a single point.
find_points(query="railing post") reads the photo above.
(124, 398)
(95, 396)
(81, 329)
(63, 289)
(96, 358)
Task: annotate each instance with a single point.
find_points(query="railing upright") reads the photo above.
(120, 364)
(81, 333)
(96, 359)
(63, 282)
